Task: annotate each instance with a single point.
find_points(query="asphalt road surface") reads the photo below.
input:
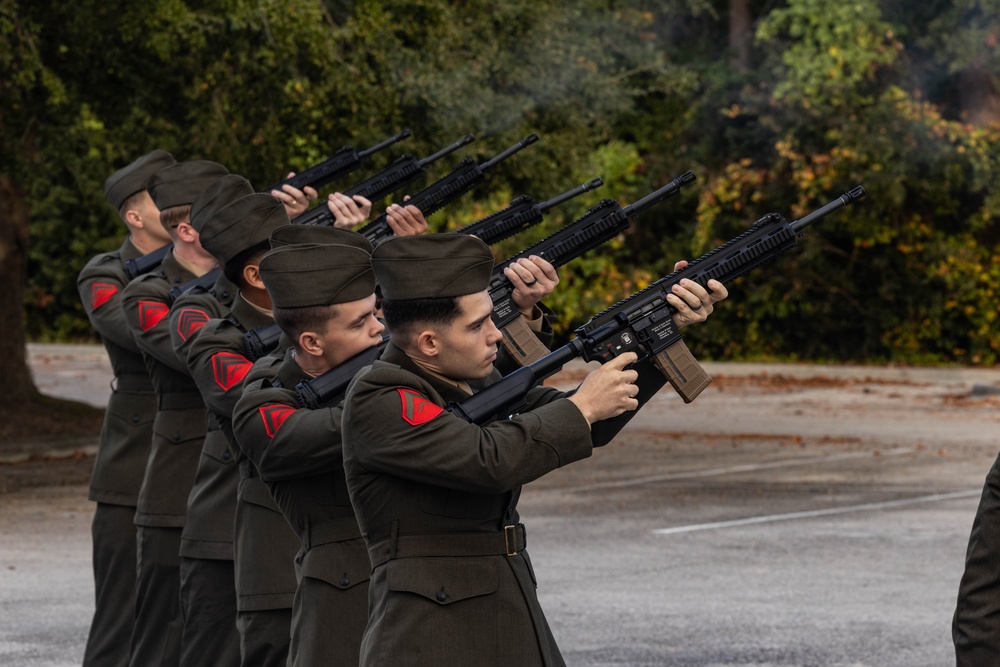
(791, 515)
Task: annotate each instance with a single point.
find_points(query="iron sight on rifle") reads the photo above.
(603, 222)
(643, 322)
(399, 174)
(341, 163)
(465, 176)
(520, 215)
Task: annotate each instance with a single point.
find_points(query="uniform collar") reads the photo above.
(249, 315)
(448, 388)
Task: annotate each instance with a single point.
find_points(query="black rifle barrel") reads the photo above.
(464, 141)
(462, 178)
(522, 144)
(341, 163)
(843, 200)
(403, 171)
(522, 213)
(545, 206)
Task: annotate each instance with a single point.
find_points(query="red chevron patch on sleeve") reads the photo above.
(101, 293)
(151, 312)
(274, 416)
(230, 369)
(417, 409)
(190, 320)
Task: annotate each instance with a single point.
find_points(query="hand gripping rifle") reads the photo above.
(465, 176)
(341, 163)
(522, 213)
(399, 174)
(603, 222)
(643, 322)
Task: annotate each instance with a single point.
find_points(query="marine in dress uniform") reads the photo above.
(435, 496)
(207, 589)
(180, 424)
(976, 623)
(298, 451)
(127, 431)
(231, 498)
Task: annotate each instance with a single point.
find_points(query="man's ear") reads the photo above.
(251, 274)
(186, 233)
(428, 343)
(133, 219)
(311, 343)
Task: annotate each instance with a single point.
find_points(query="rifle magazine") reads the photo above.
(521, 343)
(682, 370)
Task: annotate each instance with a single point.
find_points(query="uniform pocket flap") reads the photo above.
(343, 564)
(254, 491)
(216, 447)
(443, 580)
(181, 426)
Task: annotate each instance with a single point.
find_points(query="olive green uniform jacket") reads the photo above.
(298, 453)
(208, 530)
(181, 421)
(265, 546)
(128, 423)
(436, 499)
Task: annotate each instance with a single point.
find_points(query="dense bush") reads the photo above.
(780, 108)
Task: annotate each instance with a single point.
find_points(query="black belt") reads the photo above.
(328, 532)
(181, 401)
(132, 382)
(512, 540)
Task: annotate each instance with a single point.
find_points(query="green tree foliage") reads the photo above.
(829, 94)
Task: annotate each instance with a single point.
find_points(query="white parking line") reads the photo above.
(749, 467)
(736, 523)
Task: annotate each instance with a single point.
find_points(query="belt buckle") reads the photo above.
(510, 539)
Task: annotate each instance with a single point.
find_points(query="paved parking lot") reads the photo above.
(792, 515)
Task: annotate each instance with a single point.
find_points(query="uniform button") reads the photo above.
(177, 279)
(441, 597)
(225, 294)
(344, 580)
(177, 436)
(135, 419)
(226, 456)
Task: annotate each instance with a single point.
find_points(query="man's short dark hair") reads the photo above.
(233, 269)
(404, 317)
(131, 202)
(296, 321)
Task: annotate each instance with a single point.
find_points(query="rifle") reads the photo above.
(330, 386)
(400, 173)
(521, 214)
(148, 262)
(642, 323)
(341, 163)
(465, 176)
(604, 221)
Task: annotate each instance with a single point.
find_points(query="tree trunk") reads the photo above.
(16, 383)
(740, 23)
(980, 98)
